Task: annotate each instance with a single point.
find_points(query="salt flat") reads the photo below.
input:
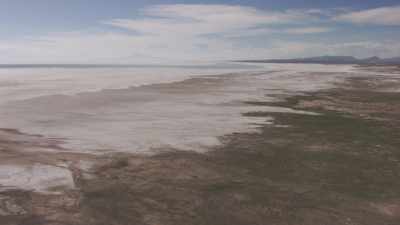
(139, 110)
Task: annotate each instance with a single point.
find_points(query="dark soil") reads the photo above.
(341, 167)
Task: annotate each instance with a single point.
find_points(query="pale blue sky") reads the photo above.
(126, 31)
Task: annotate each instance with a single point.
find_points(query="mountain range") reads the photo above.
(333, 60)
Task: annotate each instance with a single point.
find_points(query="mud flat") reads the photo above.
(339, 165)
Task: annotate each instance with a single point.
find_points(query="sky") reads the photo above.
(171, 31)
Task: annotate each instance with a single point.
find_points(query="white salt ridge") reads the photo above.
(37, 177)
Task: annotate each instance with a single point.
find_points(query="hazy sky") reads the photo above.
(150, 31)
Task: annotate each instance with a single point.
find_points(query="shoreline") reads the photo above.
(340, 167)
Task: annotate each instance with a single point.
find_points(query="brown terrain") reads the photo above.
(341, 167)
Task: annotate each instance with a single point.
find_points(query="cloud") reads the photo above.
(194, 20)
(308, 30)
(257, 32)
(378, 16)
(358, 49)
(185, 33)
(161, 33)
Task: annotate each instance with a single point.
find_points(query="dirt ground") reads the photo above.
(341, 167)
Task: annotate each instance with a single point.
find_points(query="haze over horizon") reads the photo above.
(135, 32)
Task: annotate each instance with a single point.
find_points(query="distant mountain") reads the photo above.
(395, 60)
(333, 60)
(372, 60)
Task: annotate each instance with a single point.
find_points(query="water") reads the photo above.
(143, 109)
